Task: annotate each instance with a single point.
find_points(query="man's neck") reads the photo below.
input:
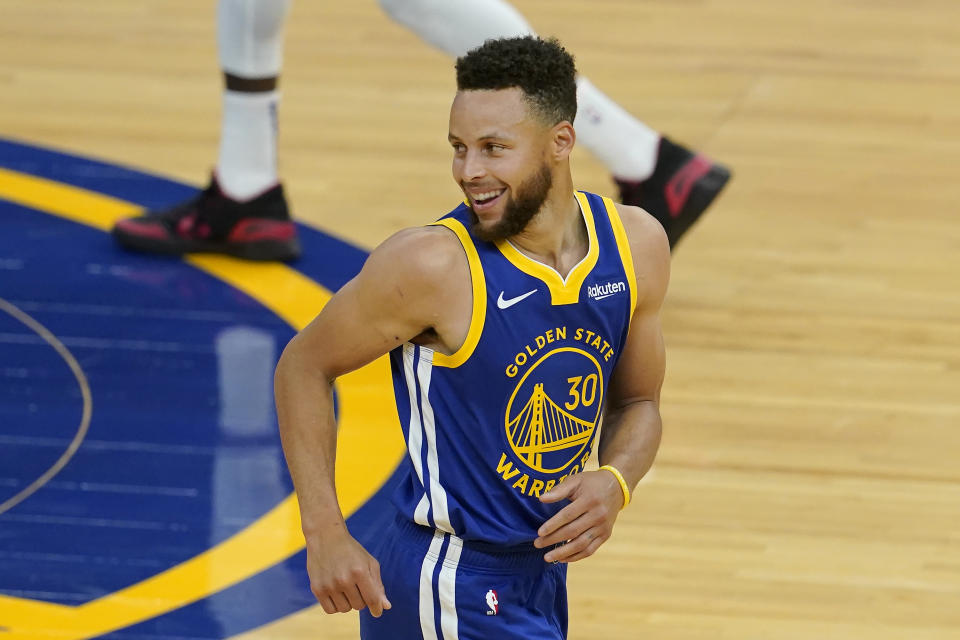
(557, 235)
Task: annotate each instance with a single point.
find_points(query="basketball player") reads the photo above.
(243, 211)
(513, 324)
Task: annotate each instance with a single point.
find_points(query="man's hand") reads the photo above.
(343, 576)
(586, 523)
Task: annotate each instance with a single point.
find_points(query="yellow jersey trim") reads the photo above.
(562, 290)
(623, 245)
(479, 314)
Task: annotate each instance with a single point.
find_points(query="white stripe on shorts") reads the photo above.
(428, 628)
(448, 589)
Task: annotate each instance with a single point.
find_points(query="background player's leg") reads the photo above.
(669, 181)
(243, 211)
(250, 45)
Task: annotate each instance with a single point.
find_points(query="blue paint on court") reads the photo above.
(181, 452)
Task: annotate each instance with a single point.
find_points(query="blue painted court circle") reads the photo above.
(26, 409)
(172, 465)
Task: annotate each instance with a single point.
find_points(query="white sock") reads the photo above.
(250, 36)
(250, 44)
(248, 144)
(624, 144)
(456, 26)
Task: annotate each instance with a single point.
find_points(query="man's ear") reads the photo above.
(564, 138)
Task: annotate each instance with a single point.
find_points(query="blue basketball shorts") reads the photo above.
(444, 588)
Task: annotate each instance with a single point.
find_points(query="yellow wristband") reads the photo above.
(623, 484)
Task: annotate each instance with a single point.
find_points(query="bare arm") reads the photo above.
(402, 292)
(631, 428)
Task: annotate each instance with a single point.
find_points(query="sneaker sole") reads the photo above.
(262, 251)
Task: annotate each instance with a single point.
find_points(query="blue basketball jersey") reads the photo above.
(515, 410)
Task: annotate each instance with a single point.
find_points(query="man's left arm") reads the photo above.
(631, 428)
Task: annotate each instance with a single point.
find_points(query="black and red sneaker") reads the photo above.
(681, 188)
(256, 229)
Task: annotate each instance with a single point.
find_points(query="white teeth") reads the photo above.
(487, 195)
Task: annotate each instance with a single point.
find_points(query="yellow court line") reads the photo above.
(79, 205)
(369, 444)
(36, 608)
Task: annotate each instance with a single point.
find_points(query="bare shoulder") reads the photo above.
(429, 257)
(420, 277)
(645, 233)
(651, 253)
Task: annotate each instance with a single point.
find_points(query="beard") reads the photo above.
(519, 210)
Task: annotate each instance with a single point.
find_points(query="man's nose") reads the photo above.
(473, 167)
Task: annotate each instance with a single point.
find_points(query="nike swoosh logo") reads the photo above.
(505, 304)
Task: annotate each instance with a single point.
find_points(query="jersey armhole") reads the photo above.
(626, 256)
(479, 289)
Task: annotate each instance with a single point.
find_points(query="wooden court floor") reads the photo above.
(808, 486)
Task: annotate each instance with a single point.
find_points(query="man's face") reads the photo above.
(499, 160)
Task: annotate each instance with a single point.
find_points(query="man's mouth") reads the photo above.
(486, 200)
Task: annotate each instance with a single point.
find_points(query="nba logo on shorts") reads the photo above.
(493, 603)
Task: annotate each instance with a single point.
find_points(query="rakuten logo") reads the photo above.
(601, 291)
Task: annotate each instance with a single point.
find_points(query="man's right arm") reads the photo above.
(405, 288)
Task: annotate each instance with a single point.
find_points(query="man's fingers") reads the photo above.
(561, 491)
(371, 596)
(566, 515)
(579, 547)
(564, 551)
(340, 602)
(550, 531)
(371, 589)
(354, 598)
(378, 582)
(588, 551)
(327, 604)
(346, 578)
(376, 574)
(569, 531)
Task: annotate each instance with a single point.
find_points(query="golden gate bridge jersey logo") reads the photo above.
(554, 409)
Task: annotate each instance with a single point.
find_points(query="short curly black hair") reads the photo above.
(542, 69)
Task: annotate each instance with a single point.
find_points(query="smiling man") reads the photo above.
(514, 324)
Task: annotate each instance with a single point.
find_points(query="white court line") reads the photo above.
(59, 347)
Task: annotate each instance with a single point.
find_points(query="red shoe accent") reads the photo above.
(256, 229)
(185, 225)
(681, 183)
(133, 227)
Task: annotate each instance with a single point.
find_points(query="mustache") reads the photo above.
(479, 185)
